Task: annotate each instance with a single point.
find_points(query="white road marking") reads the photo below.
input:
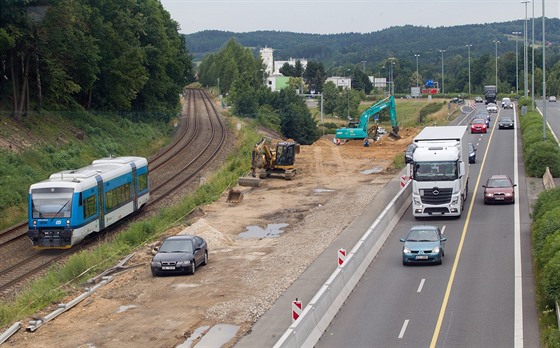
(518, 284)
(403, 329)
(421, 285)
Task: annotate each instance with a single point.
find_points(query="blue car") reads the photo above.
(423, 244)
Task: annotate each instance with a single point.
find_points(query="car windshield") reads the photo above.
(498, 183)
(506, 120)
(176, 246)
(440, 171)
(479, 121)
(422, 236)
(471, 147)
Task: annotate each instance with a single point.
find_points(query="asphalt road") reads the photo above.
(552, 115)
(482, 295)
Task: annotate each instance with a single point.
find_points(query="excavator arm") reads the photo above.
(362, 130)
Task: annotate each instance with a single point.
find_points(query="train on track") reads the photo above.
(72, 204)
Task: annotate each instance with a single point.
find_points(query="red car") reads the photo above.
(498, 189)
(479, 126)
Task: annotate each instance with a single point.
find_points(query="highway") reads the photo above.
(552, 115)
(482, 295)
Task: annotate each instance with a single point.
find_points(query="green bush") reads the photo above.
(546, 201)
(550, 247)
(538, 156)
(549, 279)
(548, 224)
(431, 108)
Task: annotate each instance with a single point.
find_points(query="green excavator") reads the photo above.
(362, 130)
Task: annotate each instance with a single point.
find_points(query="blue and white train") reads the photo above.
(71, 204)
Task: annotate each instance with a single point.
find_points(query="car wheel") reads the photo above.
(154, 274)
(205, 261)
(193, 266)
(404, 263)
(439, 262)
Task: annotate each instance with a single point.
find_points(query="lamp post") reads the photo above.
(348, 86)
(417, 55)
(469, 48)
(516, 33)
(533, 61)
(543, 73)
(496, 42)
(442, 83)
(525, 65)
(391, 67)
(364, 65)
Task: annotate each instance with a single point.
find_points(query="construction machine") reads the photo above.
(361, 129)
(267, 161)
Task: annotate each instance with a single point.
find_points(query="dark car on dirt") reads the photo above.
(179, 254)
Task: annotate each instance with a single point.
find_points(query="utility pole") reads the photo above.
(525, 57)
(417, 55)
(496, 42)
(442, 83)
(469, 47)
(533, 61)
(516, 33)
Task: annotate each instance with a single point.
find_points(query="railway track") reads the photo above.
(200, 136)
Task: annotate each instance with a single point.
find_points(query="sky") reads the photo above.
(344, 16)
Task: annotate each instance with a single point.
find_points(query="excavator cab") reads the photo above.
(286, 153)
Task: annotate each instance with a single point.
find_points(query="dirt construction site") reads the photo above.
(257, 248)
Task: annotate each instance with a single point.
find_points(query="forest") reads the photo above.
(370, 53)
(124, 56)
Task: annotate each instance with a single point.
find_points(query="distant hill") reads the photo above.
(400, 42)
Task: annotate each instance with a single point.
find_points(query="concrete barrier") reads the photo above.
(548, 180)
(317, 315)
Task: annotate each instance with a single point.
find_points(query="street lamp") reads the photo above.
(469, 47)
(364, 65)
(543, 73)
(348, 85)
(442, 83)
(496, 42)
(417, 55)
(533, 62)
(516, 33)
(525, 58)
(392, 80)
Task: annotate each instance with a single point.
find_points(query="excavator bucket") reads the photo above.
(394, 134)
(234, 196)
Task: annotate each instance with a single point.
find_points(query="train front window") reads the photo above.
(53, 202)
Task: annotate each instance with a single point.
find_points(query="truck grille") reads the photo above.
(436, 195)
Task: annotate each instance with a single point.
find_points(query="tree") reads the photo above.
(331, 97)
(315, 76)
(288, 70)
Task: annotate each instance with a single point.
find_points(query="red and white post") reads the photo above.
(341, 256)
(296, 309)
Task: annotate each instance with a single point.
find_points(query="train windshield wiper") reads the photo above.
(58, 212)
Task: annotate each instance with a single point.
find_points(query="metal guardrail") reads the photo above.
(317, 315)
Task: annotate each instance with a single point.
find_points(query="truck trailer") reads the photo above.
(440, 171)
(490, 94)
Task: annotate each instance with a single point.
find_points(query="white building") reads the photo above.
(292, 61)
(268, 60)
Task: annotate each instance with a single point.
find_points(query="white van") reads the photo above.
(507, 103)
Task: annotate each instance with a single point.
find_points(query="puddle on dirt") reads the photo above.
(125, 308)
(320, 190)
(373, 170)
(196, 335)
(271, 231)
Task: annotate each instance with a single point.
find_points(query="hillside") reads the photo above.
(401, 41)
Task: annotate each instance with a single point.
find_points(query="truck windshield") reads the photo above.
(53, 202)
(436, 171)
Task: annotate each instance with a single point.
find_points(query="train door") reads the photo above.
(101, 200)
(134, 185)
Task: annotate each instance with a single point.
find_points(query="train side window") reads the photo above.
(117, 196)
(142, 182)
(90, 207)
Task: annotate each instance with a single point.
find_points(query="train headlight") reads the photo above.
(34, 223)
(67, 222)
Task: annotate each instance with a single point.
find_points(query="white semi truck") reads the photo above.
(440, 171)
